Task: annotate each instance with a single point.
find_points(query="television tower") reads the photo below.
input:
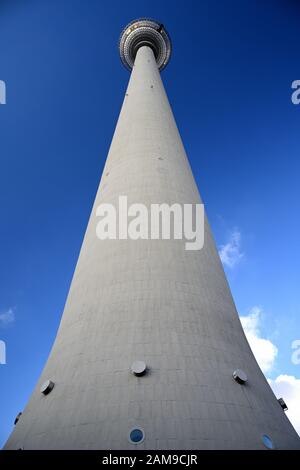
(150, 352)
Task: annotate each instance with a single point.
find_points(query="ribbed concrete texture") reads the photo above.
(151, 301)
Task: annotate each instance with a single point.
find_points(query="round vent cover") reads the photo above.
(47, 387)
(240, 376)
(138, 368)
(18, 417)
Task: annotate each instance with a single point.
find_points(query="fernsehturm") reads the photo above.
(150, 352)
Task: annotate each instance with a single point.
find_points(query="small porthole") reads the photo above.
(47, 387)
(136, 435)
(267, 441)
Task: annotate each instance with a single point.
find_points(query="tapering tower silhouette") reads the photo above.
(150, 352)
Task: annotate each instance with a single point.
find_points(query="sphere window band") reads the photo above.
(145, 32)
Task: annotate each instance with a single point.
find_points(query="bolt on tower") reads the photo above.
(150, 352)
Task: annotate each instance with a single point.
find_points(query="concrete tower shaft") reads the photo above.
(135, 302)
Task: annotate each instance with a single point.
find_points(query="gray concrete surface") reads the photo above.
(150, 300)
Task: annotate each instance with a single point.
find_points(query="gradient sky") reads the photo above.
(229, 83)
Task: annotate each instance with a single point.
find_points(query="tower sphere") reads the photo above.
(145, 32)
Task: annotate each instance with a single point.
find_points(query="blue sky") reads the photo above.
(229, 83)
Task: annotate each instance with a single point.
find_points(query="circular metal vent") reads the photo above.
(240, 376)
(138, 368)
(47, 387)
(17, 417)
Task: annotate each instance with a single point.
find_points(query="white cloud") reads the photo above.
(7, 317)
(288, 388)
(263, 349)
(230, 253)
(265, 352)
